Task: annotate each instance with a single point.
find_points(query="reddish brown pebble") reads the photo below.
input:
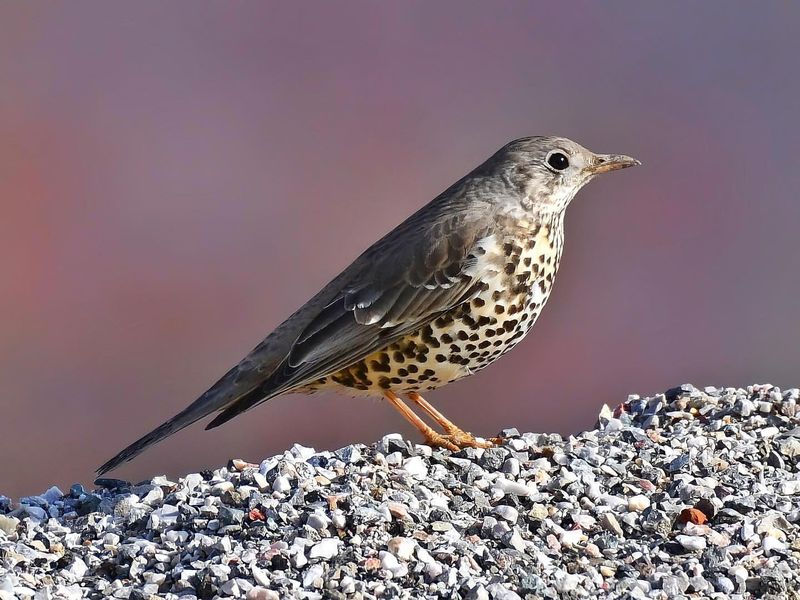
(692, 515)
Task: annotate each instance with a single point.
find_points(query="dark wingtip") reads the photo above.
(217, 421)
(111, 464)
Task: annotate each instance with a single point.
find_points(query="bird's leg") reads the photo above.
(432, 438)
(453, 432)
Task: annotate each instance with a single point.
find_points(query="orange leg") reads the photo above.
(453, 432)
(432, 438)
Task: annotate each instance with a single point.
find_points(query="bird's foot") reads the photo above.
(455, 439)
(437, 440)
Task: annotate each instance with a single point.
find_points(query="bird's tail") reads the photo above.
(182, 419)
(229, 388)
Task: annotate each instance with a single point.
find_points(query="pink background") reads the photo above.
(177, 178)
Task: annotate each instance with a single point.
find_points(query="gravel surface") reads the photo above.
(691, 493)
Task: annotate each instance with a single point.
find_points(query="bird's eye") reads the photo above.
(557, 160)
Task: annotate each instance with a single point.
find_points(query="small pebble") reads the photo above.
(638, 503)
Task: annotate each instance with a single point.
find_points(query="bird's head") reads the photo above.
(548, 171)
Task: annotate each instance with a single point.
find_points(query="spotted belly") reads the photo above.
(463, 341)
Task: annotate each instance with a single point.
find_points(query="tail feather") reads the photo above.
(235, 384)
(176, 423)
(241, 404)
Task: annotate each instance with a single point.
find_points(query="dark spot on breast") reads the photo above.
(447, 338)
(470, 347)
(462, 335)
(379, 366)
(510, 324)
(398, 357)
(527, 261)
(402, 372)
(479, 302)
(413, 368)
(499, 309)
(510, 268)
(443, 321)
(384, 382)
(441, 358)
(484, 344)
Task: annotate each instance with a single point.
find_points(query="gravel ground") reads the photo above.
(690, 493)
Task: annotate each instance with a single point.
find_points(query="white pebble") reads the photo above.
(516, 542)
(281, 484)
(77, 569)
(327, 548)
(261, 593)
(230, 587)
(318, 521)
(508, 513)
(508, 486)
(401, 547)
(571, 538)
(259, 575)
(609, 522)
(692, 542)
(416, 467)
(638, 503)
(771, 545)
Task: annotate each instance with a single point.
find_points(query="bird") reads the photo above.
(440, 297)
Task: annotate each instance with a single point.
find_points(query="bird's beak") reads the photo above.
(603, 163)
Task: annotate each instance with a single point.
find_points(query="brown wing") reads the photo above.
(401, 292)
(429, 263)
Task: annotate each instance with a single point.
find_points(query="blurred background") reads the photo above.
(176, 179)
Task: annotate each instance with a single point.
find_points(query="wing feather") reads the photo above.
(385, 303)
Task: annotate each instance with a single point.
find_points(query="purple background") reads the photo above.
(177, 178)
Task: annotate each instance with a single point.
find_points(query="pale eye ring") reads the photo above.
(557, 160)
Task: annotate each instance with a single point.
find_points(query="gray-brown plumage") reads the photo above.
(443, 295)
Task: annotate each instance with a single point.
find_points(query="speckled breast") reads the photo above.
(471, 336)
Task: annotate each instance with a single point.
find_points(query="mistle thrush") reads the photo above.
(443, 295)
